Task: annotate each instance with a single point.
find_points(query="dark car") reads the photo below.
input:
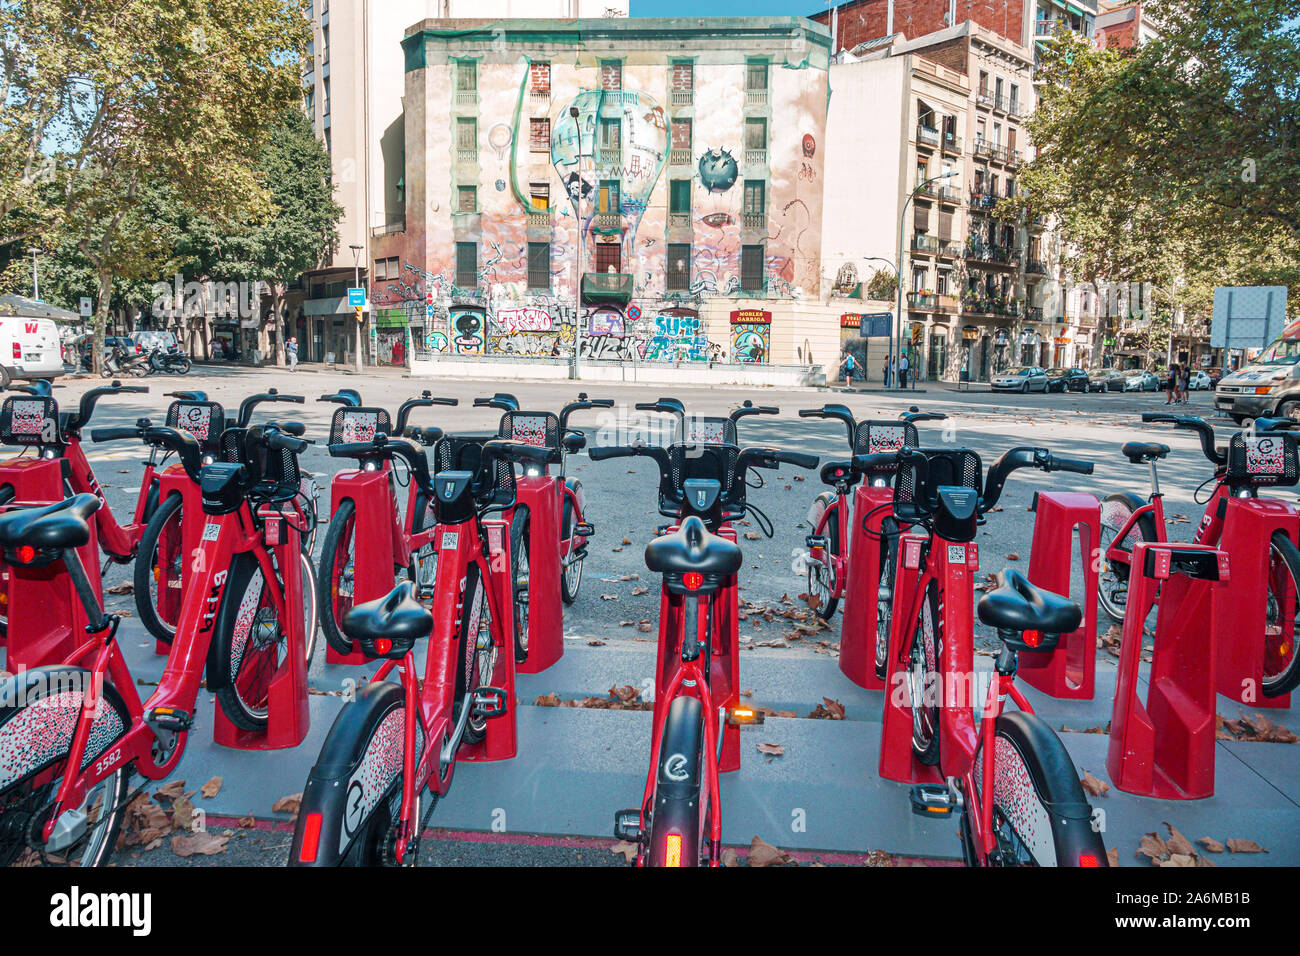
(1106, 380)
(1067, 380)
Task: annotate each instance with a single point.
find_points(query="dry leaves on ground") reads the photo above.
(828, 710)
(771, 750)
(762, 853)
(126, 587)
(627, 849)
(1256, 727)
(211, 788)
(201, 842)
(1176, 851)
(1094, 787)
(626, 697)
(288, 804)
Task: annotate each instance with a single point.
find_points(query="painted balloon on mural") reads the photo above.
(718, 170)
(809, 144)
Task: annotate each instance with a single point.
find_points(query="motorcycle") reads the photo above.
(171, 360)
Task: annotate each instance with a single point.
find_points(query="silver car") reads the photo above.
(1138, 381)
(1029, 378)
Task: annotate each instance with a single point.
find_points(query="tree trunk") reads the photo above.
(278, 323)
(101, 319)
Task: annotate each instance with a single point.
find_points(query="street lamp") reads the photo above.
(36, 282)
(356, 282)
(895, 331)
(582, 252)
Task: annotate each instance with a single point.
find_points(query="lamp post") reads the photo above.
(895, 332)
(582, 252)
(36, 282)
(356, 282)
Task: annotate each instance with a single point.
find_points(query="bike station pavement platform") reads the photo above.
(576, 766)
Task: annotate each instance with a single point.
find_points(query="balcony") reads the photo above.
(756, 157)
(601, 287)
(682, 97)
(1010, 156)
(927, 245)
(609, 156)
(539, 219)
(950, 194)
(983, 201)
(984, 98)
(951, 143)
(466, 98)
(756, 97)
(927, 135)
(952, 250)
(392, 226)
(755, 220)
(680, 157)
(1036, 267)
(1044, 28)
(992, 254)
(923, 301)
(984, 149)
(991, 305)
(679, 220)
(467, 154)
(949, 303)
(1013, 108)
(608, 222)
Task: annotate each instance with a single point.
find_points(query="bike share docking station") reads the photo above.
(1165, 747)
(872, 504)
(543, 496)
(1069, 671)
(501, 740)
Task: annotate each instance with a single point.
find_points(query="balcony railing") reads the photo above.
(393, 225)
(539, 219)
(951, 143)
(682, 97)
(756, 157)
(1013, 107)
(608, 220)
(922, 300)
(984, 97)
(948, 194)
(466, 97)
(927, 134)
(466, 154)
(923, 243)
(606, 287)
(679, 157)
(1036, 266)
(1044, 28)
(999, 255)
(1010, 156)
(609, 155)
(949, 303)
(982, 305)
(755, 220)
(984, 148)
(679, 220)
(952, 250)
(756, 97)
(983, 201)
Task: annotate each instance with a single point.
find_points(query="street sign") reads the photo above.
(1247, 317)
(357, 296)
(875, 324)
(87, 307)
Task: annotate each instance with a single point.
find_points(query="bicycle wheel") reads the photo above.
(1112, 582)
(1041, 816)
(1280, 673)
(248, 640)
(520, 543)
(6, 496)
(424, 562)
(337, 577)
(35, 739)
(885, 592)
(158, 568)
(924, 691)
(353, 796)
(478, 653)
(571, 577)
(821, 575)
(674, 826)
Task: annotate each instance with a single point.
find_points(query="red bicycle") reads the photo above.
(72, 734)
(1025, 805)
(361, 805)
(702, 487)
(1265, 593)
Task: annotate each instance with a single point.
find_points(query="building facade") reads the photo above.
(629, 189)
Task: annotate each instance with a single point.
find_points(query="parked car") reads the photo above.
(1029, 378)
(1140, 381)
(29, 348)
(1198, 381)
(150, 339)
(1067, 380)
(1106, 380)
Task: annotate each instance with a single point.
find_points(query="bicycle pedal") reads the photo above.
(584, 529)
(489, 702)
(627, 825)
(932, 800)
(169, 718)
(815, 542)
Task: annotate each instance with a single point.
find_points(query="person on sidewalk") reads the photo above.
(291, 353)
(1185, 381)
(902, 371)
(885, 371)
(1171, 386)
(848, 366)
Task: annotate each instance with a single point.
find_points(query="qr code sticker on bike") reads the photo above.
(883, 438)
(360, 426)
(26, 417)
(195, 419)
(1265, 456)
(529, 429)
(707, 433)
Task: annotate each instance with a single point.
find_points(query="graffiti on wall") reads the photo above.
(718, 170)
(751, 338)
(468, 334)
(679, 336)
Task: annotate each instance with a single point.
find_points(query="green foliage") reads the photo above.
(882, 285)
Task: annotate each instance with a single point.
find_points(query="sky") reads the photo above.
(725, 8)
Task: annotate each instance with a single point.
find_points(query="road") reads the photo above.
(621, 497)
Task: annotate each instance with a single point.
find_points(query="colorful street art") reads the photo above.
(751, 336)
(718, 170)
(467, 330)
(679, 336)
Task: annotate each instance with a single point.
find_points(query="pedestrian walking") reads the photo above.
(848, 366)
(291, 353)
(902, 371)
(1171, 387)
(885, 370)
(1184, 381)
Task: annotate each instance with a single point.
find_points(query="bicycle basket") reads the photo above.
(270, 474)
(532, 428)
(349, 425)
(1262, 460)
(708, 430)
(204, 420)
(874, 437)
(462, 453)
(29, 421)
(914, 498)
(716, 462)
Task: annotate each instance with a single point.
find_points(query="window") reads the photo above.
(984, 83)
(325, 42)
(1015, 98)
(997, 134)
(683, 77)
(466, 76)
(679, 266)
(466, 198)
(751, 268)
(540, 194)
(755, 197)
(755, 133)
(611, 135)
(467, 265)
(1011, 137)
(679, 197)
(325, 86)
(539, 135)
(539, 265)
(540, 77)
(611, 75)
(467, 133)
(997, 89)
(309, 101)
(681, 134)
(756, 76)
(941, 282)
(608, 202)
(609, 257)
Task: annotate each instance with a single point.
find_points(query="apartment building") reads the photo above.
(355, 80)
(630, 189)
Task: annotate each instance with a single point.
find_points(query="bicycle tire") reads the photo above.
(423, 569)
(1116, 508)
(569, 587)
(1041, 814)
(478, 652)
(334, 583)
(677, 807)
(819, 571)
(6, 496)
(1282, 677)
(520, 546)
(155, 578)
(923, 678)
(889, 532)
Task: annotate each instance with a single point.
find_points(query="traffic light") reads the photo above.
(360, 313)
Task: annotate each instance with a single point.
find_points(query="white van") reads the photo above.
(29, 348)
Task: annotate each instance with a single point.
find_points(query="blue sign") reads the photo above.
(356, 296)
(875, 324)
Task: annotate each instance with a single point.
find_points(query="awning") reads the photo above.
(25, 308)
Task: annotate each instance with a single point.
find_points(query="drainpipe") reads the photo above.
(889, 18)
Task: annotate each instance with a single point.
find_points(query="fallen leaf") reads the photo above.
(171, 791)
(828, 710)
(595, 643)
(1237, 845)
(201, 841)
(1013, 557)
(609, 597)
(211, 788)
(1178, 844)
(627, 849)
(771, 750)
(1094, 787)
(126, 587)
(1211, 845)
(626, 541)
(288, 804)
(730, 857)
(547, 700)
(640, 589)
(764, 854)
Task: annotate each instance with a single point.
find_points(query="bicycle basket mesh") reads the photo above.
(29, 421)
(349, 425)
(881, 436)
(1263, 460)
(532, 428)
(717, 462)
(204, 420)
(457, 453)
(272, 474)
(957, 466)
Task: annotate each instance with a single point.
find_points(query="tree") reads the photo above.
(127, 96)
(882, 285)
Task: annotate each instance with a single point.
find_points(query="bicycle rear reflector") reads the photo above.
(1087, 859)
(742, 716)
(1033, 638)
(692, 580)
(310, 838)
(673, 850)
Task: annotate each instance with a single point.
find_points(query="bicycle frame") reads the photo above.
(982, 833)
(118, 541)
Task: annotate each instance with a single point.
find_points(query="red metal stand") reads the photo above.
(1239, 619)
(897, 761)
(501, 741)
(372, 566)
(46, 620)
(1165, 748)
(174, 481)
(542, 495)
(288, 713)
(1069, 670)
(858, 635)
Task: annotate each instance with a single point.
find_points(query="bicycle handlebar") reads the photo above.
(1191, 423)
(270, 395)
(582, 404)
(913, 414)
(749, 408)
(194, 396)
(344, 396)
(771, 457)
(424, 400)
(86, 408)
(838, 412)
(502, 400)
(113, 434)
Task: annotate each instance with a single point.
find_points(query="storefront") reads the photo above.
(970, 372)
(1060, 351)
(937, 366)
(391, 337)
(223, 343)
(1029, 342)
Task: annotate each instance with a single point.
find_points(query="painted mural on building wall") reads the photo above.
(751, 335)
